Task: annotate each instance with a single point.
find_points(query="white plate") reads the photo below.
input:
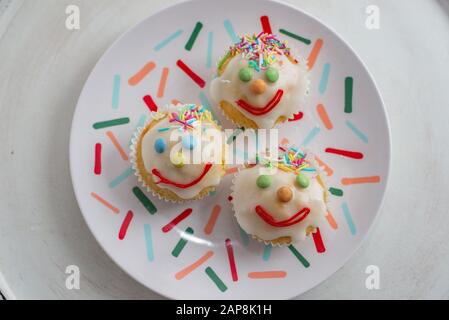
(145, 252)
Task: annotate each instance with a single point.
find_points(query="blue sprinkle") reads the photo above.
(159, 145)
(189, 142)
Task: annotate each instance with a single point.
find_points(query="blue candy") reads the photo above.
(189, 142)
(160, 145)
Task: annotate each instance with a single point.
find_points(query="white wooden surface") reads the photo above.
(43, 67)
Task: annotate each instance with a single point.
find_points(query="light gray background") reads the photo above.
(43, 67)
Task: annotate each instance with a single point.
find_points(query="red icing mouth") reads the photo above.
(164, 180)
(268, 218)
(260, 111)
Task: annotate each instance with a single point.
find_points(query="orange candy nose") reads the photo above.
(284, 194)
(258, 86)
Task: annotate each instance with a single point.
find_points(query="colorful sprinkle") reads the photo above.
(125, 224)
(110, 123)
(266, 27)
(357, 131)
(345, 153)
(297, 116)
(324, 116)
(218, 282)
(298, 256)
(267, 274)
(163, 82)
(267, 252)
(148, 242)
(142, 73)
(318, 240)
(310, 136)
(348, 218)
(230, 30)
(117, 145)
(331, 220)
(295, 36)
(325, 167)
(182, 242)
(167, 40)
(193, 36)
(358, 180)
(210, 39)
(314, 53)
(187, 270)
(116, 91)
(125, 174)
(231, 258)
(144, 200)
(189, 72)
(177, 220)
(150, 103)
(348, 94)
(212, 219)
(324, 78)
(97, 166)
(336, 192)
(104, 202)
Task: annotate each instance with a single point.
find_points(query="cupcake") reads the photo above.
(280, 201)
(169, 153)
(259, 83)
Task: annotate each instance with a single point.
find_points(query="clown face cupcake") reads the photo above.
(168, 153)
(259, 83)
(280, 202)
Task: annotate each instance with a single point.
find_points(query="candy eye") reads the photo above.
(246, 74)
(189, 142)
(160, 145)
(302, 180)
(178, 160)
(263, 181)
(272, 74)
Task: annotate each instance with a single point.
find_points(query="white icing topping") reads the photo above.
(293, 80)
(247, 195)
(185, 174)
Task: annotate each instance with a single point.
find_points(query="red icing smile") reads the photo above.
(268, 218)
(257, 111)
(164, 180)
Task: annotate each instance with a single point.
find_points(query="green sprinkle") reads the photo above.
(163, 129)
(245, 74)
(295, 36)
(110, 123)
(272, 74)
(302, 180)
(348, 94)
(144, 200)
(263, 181)
(336, 192)
(193, 36)
(299, 256)
(218, 282)
(181, 243)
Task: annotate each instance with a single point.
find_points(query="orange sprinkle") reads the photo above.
(331, 220)
(326, 168)
(184, 272)
(324, 116)
(212, 219)
(372, 179)
(284, 141)
(117, 145)
(314, 53)
(162, 82)
(232, 170)
(104, 202)
(267, 274)
(175, 102)
(135, 79)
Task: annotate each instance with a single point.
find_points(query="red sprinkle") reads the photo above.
(266, 24)
(297, 116)
(177, 220)
(97, 167)
(195, 77)
(231, 258)
(319, 245)
(150, 103)
(345, 153)
(125, 225)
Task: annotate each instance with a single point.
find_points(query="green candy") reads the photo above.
(302, 180)
(245, 74)
(272, 74)
(263, 181)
